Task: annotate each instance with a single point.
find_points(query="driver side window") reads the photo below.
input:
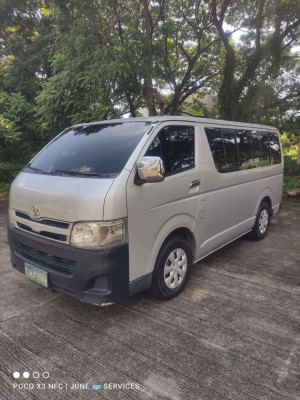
(175, 145)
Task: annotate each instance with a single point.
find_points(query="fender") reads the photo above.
(169, 226)
(176, 222)
(267, 192)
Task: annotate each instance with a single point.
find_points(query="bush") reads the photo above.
(289, 183)
(290, 166)
(4, 188)
(8, 171)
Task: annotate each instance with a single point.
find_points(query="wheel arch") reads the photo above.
(265, 196)
(181, 225)
(187, 235)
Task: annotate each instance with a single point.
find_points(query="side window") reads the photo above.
(223, 147)
(230, 150)
(215, 140)
(264, 146)
(243, 149)
(244, 145)
(249, 149)
(275, 149)
(176, 147)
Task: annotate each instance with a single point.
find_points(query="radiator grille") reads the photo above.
(25, 222)
(44, 259)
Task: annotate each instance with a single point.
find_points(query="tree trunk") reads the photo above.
(148, 90)
(227, 100)
(131, 105)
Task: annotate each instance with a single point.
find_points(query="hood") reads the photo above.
(63, 198)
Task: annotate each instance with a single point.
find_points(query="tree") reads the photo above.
(26, 37)
(131, 53)
(76, 60)
(25, 41)
(271, 29)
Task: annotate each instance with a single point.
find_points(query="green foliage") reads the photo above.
(259, 74)
(75, 92)
(63, 62)
(19, 139)
(289, 144)
(290, 166)
(289, 183)
(4, 189)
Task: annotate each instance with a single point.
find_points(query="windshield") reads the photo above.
(91, 150)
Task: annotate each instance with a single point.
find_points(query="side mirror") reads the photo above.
(151, 169)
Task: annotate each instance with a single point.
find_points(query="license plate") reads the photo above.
(36, 274)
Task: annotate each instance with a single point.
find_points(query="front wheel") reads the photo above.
(261, 225)
(172, 268)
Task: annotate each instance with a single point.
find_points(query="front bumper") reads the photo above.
(92, 276)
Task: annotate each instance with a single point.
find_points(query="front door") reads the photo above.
(156, 209)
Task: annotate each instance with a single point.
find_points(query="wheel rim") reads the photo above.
(175, 268)
(263, 221)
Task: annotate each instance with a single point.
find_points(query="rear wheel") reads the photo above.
(172, 268)
(261, 225)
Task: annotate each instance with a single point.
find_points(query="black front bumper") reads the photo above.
(91, 276)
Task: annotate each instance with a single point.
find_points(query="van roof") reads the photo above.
(182, 118)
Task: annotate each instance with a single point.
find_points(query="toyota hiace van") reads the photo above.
(112, 208)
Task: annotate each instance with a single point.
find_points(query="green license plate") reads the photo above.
(36, 274)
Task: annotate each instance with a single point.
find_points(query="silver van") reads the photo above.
(112, 208)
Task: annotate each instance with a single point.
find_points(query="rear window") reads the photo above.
(99, 150)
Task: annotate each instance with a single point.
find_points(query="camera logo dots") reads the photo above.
(17, 375)
(35, 375)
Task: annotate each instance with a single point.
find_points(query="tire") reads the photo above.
(172, 268)
(262, 222)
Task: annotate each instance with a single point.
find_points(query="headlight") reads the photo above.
(98, 235)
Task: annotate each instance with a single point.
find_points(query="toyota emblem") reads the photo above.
(35, 211)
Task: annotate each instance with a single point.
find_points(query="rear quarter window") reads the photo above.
(275, 150)
(238, 149)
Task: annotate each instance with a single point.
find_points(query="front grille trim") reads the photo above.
(43, 221)
(45, 259)
(58, 231)
(48, 235)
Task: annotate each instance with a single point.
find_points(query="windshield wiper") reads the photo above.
(67, 172)
(37, 169)
(70, 172)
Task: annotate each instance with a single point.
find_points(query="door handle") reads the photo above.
(194, 184)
